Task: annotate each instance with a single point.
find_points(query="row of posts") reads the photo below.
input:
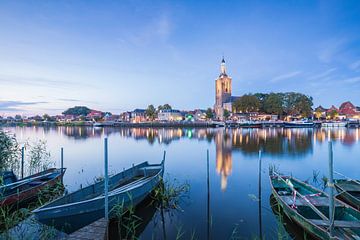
(61, 162)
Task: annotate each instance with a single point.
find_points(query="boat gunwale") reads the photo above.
(58, 172)
(288, 208)
(44, 208)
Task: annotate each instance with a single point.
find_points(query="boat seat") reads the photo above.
(337, 223)
(316, 201)
(150, 168)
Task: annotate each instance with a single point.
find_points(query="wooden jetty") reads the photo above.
(95, 231)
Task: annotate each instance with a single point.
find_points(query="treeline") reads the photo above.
(289, 103)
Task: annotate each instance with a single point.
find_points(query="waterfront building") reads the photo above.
(170, 115)
(349, 110)
(223, 90)
(138, 115)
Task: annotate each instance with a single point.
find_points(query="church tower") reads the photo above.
(222, 91)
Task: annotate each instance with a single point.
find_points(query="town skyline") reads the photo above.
(99, 55)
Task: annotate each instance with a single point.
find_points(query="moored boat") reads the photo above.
(21, 191)
(309, 208)
(299, 124)
(348, 191)
(86, 205)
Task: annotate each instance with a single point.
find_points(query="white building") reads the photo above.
(170, 115)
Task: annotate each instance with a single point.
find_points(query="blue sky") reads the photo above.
(121, 55)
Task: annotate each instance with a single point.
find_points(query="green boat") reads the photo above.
(310, 209)
(348, 191)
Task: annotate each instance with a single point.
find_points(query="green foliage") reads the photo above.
(298, 104)
(39, 157)
(226, 114)
(209, 113)
(10, 151)
(77, 111)
(273, 103)
(164, 107)
(333, 114)
(151, 112)
(246, 103)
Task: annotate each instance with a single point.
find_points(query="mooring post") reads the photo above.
(106, 187)
(208, 195)
(331, 186)
(259, 193)
(22, 161)
(62, 164)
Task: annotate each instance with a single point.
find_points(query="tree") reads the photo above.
(151, 112)
(226, 114)
(9, 151)
(261, 97)
(46, 117)
(209, 113)
(333, 114)
(246, 103)
(297, 103)
(318, 113)
(77, 111)
(273, 104)
(167, 107)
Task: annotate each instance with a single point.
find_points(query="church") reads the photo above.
(223, 98)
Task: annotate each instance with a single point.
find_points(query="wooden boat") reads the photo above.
(21, 191)
(86, 205)
(310, 210)
(299, 124)
(348, 191)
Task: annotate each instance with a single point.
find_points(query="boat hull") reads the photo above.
(347, 196)
(28, 195)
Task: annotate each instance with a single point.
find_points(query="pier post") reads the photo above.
(62, 164)
(259, 193)
(331, 195)
(22, 161)
(106, 183)
(208, 195)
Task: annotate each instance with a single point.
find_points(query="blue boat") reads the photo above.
(86, 205)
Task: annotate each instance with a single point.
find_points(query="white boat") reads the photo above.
(333, 124)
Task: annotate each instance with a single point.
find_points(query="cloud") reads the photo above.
(69, 100)
(38, 81)
(322, 75)
(285, 76)
(12, 106)
(355, 65)
(351, 80)
(330, 48)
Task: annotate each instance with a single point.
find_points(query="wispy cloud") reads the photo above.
(351, 80)
(285, 76)
(322, 75)
(38, 81)
(12, 106)
(330, 48)
(355, 65)
(69, 100)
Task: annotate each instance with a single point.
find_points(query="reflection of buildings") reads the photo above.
(223, 156)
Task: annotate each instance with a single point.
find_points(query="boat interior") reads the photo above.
(119, 182)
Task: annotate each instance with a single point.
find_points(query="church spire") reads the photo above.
(222, 67)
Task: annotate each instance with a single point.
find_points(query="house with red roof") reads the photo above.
(348, 109)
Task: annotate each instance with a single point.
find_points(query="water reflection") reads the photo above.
(273, 141)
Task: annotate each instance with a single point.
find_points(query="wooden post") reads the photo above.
(331, 196)
(259, 196)
(208, 195)
(62, 164)
(22, 161)
(163, 160)
(106, 183)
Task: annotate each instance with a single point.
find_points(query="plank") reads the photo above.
(337, 223)
(316, 201)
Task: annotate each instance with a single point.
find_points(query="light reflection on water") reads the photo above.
(233, 167)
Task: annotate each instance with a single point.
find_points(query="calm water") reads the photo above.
(234, 169)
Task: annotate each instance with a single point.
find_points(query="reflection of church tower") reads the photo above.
(223, 157)
(222, 91)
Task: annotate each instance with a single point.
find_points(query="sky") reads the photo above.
(121, 55)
